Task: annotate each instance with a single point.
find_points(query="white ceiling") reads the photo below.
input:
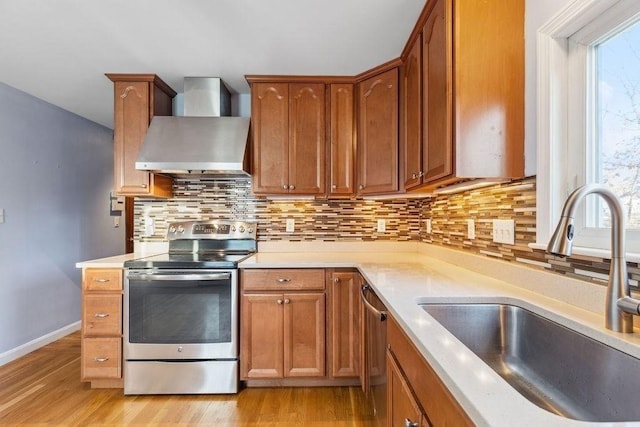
(59, 50)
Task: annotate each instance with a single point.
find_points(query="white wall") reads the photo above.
(56, 171)
(537, 13)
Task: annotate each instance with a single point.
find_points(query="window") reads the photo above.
(589, 116)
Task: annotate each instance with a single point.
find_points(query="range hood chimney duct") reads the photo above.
(206, 140)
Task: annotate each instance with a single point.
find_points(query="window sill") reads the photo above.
(592, 252)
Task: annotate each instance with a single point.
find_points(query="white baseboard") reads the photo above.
(15, 353)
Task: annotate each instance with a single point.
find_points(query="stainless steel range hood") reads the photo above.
(201, 142)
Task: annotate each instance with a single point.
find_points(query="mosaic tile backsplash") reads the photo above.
(326, 220)
(356, 220)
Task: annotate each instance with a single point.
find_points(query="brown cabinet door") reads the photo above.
(402, 407)
(137, 99)
(102, 279)
(304, 335)
(101, 358)
(378, 134)
(412, 115)
(130, 123)
(270, 127)
(437, 91)
(261, 339)
(102, 315)
(342, 140)
(307, 139)
(345, 324)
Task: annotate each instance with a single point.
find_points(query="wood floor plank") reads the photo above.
(43, 388)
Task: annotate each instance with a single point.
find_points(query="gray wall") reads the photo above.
(56, 171)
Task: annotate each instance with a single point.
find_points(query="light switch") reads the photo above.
(149, 227)
(382, 226)
(427, 225)
(1, 216)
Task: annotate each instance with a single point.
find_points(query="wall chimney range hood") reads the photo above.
(202, 141)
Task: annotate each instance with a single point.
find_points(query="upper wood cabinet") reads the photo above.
(378, 133)
(341, 141)
(472, 104)
(412, 115)
(137, 99)
(289, 138)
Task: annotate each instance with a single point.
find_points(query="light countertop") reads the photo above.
(402, 279)
(113, 261)
(404, 274)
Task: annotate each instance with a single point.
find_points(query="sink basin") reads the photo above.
(556, 368)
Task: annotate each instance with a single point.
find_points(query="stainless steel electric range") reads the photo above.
(181, 311)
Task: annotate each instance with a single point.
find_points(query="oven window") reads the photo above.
(175, 313)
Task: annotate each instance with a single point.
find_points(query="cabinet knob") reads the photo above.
(100, 359)
(361, 186)
(285, 186)
(101, 315)
(409, 423)
(287, 300)
(333, 186)
(143, 185)
(414, 176)
(292, 187)
(279, 301)
(336, 280)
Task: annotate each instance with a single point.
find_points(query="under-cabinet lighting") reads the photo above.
(290, 198)
(405, 196)
(469, 185)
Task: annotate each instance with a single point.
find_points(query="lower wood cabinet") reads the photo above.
(403, 408)
(282, 323)
(415, 389)
(344, 286)
(101, 358)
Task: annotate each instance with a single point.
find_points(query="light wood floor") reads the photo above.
(43, 388)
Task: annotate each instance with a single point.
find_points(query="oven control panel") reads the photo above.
(220, 230)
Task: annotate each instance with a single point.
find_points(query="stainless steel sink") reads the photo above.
(556, 368)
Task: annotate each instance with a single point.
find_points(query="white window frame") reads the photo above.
(562, 113)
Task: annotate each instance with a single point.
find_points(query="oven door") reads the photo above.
(181, 315)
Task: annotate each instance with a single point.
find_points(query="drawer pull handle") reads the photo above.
(101, 280)
(100, 359)
(143, 185)
(283, 280)
(101, 315)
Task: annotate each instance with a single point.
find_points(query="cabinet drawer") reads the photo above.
(102, 279)
(101, 358)
(282, 279)
(102, 315)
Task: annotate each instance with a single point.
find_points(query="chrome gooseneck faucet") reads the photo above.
(620, 306)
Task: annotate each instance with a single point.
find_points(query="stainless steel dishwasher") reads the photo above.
(374, 382)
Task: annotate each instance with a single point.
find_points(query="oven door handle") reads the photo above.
(181, 277)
